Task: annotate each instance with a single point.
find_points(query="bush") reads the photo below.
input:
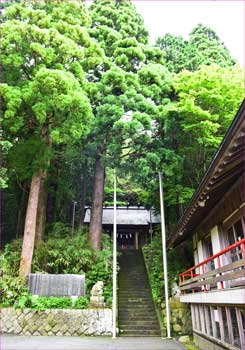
(58, 254)
(178, 260)
(43, 303)
(11, 286)
(81, 303)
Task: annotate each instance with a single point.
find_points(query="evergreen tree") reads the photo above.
(204, 47)
(43, 53)
(120, 31)
(176, 51)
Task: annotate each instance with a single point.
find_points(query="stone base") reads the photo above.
(53, 322)
(97, 302)
(180, 317)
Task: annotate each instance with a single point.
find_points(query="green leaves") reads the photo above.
(204, 97)
(59, 253)
(57, 99)
(12, 99)
(203, 48)
(44, 303)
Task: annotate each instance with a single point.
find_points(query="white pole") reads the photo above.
(164, 254)
(114, 296)
(73, 217)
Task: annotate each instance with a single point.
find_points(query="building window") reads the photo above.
(208, 251)
(234, 234)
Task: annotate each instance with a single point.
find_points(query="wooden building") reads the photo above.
(214, 221)
(134, 225)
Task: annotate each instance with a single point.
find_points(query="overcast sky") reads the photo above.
(226, 18)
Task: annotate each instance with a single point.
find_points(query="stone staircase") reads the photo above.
(136, 315)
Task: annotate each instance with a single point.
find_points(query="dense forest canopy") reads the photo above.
(82, 92)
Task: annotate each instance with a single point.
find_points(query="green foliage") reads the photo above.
(176, 52)
(81, 303)
(3, 178)
(208, 100)
(203, 48)
(43, 303)
(11, 286)
(59, 253)
(178, 260)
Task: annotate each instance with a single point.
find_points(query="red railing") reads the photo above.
(191, 271)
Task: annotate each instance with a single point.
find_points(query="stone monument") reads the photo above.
(96, 298)
(43, 284)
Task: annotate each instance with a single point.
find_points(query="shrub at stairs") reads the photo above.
(58, 254)
(178, 259)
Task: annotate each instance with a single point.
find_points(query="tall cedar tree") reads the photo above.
(119, 29)
(124, 114)
(204, 47)
(45, 48)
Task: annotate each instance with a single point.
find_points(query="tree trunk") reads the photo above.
(41, 210)
(95, 226)
(53, 188)
(83, 195)
(30, 227)
(22, 210)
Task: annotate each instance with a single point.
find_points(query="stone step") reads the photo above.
(130, 298)
(140, 333)
(146, 292)
(123, 319)
(137, 324)
(129, 327)
(137, 311)
(133, 282)
(137, 315)
(135, 294)
(136, 306)
(133, 300)
(148, 305)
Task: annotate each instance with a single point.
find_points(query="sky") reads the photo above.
(225, 17)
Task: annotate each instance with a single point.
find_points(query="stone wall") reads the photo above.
(180, 317)
(57, 322)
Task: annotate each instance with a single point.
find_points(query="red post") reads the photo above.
(243, 250)
(182, 279)
(193, 290)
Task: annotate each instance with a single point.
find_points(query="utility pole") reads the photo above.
(151, 230)
(164, 254)
(73, 217)
(114, 295)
